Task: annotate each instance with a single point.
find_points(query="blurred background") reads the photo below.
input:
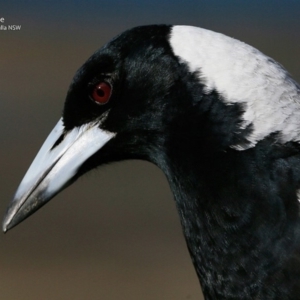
(115, 233)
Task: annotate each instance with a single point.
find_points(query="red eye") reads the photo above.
(101, 93)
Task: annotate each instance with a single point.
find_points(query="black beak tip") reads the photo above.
(7, 224)
(18, 211)
(11, 218)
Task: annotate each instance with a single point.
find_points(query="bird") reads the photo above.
(220, 119)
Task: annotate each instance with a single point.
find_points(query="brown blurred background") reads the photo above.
(115, 233)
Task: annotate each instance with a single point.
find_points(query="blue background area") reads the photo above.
(114, 234)
(97, 14)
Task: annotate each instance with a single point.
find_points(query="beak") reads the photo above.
(54, 168)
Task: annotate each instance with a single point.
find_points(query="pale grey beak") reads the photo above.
(54, 167)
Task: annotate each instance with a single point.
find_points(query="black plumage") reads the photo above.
(238, 206)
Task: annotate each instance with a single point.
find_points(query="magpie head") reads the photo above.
(153, 93)
(115, 109)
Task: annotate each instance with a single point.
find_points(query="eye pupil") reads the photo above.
(101, 93)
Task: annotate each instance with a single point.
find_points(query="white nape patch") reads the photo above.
(242, 74)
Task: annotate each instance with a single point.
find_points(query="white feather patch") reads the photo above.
(298, 195)
(242, 74)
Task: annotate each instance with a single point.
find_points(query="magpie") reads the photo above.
(220, 119)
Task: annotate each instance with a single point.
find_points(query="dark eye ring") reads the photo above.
(101, 93)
